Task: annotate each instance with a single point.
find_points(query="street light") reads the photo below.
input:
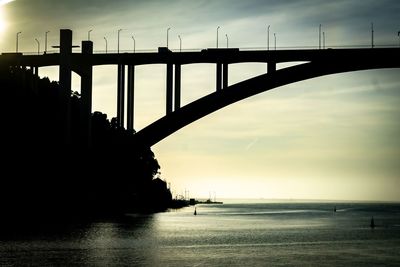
(167, 35)
(45, 41)
(134, 44)
(372, 35)
(319, 37)
(180, 43)
(398, 34)
(268, 37)
(38, 45)
(88, 34)
(227, 40)
(118, 39)
(105, 39)
(217, 35)
(18, 33)
(275, 40)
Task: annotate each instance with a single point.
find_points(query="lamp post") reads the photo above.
(217, 35)
(275, 40)
(372, 35)
(319, 37)
(398, 34)
(88, 34)
(45, 41)
(227, 40)
(167, 35)
(180, 43)
(18, 33)
(105, 39)
(38, 45)
(134, 44)
(118, 40)
(268, 37)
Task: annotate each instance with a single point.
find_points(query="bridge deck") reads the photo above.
(228, 56)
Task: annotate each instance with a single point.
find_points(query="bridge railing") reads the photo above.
(155, 50)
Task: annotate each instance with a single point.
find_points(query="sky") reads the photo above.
(331, 138)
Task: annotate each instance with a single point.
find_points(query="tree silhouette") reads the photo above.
(114, 175)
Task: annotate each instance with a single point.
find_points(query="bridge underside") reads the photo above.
(178, 119)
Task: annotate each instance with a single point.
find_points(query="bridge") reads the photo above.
(318, 62)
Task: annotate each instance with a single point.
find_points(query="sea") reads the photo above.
(229, 234)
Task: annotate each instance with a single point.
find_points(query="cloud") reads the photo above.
(4, 2)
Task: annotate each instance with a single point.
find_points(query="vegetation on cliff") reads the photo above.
(42, 175)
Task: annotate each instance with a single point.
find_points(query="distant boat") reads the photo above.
(195, 212)
(372, 224)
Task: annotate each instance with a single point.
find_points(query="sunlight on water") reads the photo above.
(219, 235)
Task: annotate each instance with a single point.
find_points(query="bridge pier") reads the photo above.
(169, 88)
(222, 76)
(131, 98)
(121, 95)
(34, 78)
(177, 86)
(225, 75)
(65, 84)
(35, 70)
(219, 77)
(86, 95)
(271, 67)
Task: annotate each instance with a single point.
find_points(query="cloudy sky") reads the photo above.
(334, 137)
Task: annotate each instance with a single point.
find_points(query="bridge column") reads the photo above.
(34, 78)
(225, 75)
(65, 84)
(121, 95)
(169, 88)
(86, 95)
(131, 98)
(271, 67)
(36, 71)
(177, 86)
(219, 77)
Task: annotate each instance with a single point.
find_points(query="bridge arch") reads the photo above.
(178, 119)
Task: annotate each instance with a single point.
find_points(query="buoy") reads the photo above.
(195, 212)
(372, 225)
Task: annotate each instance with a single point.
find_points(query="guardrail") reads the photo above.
(155, 50)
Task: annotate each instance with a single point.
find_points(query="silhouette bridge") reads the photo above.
(318, 62)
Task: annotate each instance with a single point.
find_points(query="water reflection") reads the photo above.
(227, 235)
(128, 241)
(125, 240)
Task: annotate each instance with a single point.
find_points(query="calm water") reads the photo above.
(277, 234)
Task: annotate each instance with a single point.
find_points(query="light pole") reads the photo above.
(118, 40)
(275, 40)
(323, 40)
(268, 37)
(372, 35)
(134, 44)
(45, 41)
(398, 34)
(105, 39)
(88, 34)
(217, 35)
(38, 45)
(227, 40)
(319, 37)
(180, 43)
(167, 35)
(18, 33)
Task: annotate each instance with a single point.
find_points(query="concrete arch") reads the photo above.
(178, 119)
